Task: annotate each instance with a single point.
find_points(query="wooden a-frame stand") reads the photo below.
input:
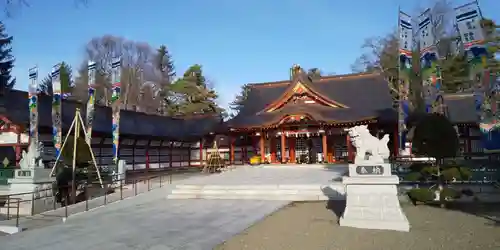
(75, 128)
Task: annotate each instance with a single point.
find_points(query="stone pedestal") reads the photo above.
(33, 186)
(372, 199)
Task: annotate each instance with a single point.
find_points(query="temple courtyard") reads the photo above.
(168, 218)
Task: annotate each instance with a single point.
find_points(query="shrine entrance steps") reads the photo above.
(286, 183)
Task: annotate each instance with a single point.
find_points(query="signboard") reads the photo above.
(370, 170)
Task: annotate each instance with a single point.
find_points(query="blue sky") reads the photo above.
(236, 41)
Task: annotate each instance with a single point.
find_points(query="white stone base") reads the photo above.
(372, 203)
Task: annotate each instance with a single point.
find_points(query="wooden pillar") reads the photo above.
(201, 152)
(262, 149)
(396, 142)
(244, 151)
(283, 147)
(147, 158)
(189, 156)
(291, 149)
(325, 147)
(273, 149)
(349, 148)
(231, 149)
(18, 149)
(171, 154)
(133, 154)
(468, 140)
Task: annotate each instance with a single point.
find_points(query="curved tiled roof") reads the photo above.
(366, 96)
(131, 123)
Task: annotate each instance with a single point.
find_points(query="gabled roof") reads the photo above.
(131, 123)
(356, 97)
(361, 97)
(301, 84)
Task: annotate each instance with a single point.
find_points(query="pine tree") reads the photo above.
(6, 61)
(66, 78)
(237, 104)
(165, 65)
(195, 96)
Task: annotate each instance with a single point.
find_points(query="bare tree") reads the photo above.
(102, 84)
(137, 58)
(381, 55)
(11, 6)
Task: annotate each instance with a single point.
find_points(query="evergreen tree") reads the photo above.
(492, 33)
(165, 65)
(314, 73)
(193, 94)
(237, 104)
(6, 61)
(66, 78)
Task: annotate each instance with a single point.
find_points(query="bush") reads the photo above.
(414, 176)
(421, 195)
(435, 136)
(450, 193)
(456, 172)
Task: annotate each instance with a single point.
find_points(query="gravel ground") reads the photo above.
(313, 225)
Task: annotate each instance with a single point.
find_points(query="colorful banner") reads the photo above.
(56, 109)
(429, 68)
(116, 105)
(91, 102)
(33, 105)
(405, 70)
(468, 18)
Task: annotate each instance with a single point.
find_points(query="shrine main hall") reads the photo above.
(304, 119)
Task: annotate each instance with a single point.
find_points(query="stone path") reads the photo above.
(55, 216)
(273, 175)
(147, 222)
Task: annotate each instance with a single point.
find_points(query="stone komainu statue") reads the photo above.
(368, 145)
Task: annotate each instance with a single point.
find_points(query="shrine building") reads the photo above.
(286, 120)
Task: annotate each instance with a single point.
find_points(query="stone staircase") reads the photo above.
(303, 192)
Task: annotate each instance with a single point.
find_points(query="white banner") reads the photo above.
(468, 18)
(405, 32)
(426, 38)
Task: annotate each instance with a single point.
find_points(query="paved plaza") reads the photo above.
(150, 221)
(274, 175)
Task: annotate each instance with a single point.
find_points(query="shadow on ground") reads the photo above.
(488, 211)
(337, 207)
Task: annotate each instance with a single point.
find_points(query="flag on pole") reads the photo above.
(116, 104)
(468, 21)
(405, 36)
(429, 64)
(91, 101)
(33, 104)
(56, 109)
